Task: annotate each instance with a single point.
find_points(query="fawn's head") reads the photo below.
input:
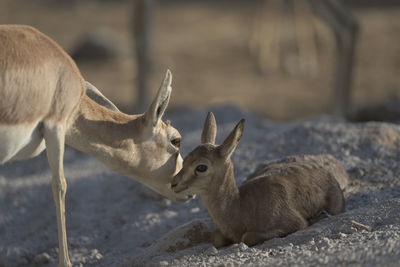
(208, 162)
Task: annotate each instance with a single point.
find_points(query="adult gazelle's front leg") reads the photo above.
(54, 135)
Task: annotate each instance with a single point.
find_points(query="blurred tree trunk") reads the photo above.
(142, 18)
(346, 27)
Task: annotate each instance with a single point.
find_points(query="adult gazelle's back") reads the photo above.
(45, 102)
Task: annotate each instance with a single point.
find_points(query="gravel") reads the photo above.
(115, 221)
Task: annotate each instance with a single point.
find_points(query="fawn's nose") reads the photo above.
(173, 185)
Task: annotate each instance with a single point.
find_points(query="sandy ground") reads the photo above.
(114, 221)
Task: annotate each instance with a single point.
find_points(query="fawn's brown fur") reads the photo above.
(278, 199)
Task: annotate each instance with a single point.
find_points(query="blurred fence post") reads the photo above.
(142, 18)
(346, 43)
(346, 27)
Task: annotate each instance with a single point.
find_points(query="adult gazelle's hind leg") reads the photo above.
(54, 135)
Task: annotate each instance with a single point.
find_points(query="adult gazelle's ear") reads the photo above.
(230, 143)
(209, 130)
(93, 93)
(157, 108)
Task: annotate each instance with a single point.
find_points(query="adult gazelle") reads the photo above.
(45, 103)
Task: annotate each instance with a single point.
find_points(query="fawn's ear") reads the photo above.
(160, 102)
(209, 130)
(93, 93)
(230, 143)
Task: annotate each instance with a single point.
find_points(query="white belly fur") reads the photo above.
(18, 142)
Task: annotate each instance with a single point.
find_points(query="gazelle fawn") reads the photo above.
(44, 103)
(279, 199)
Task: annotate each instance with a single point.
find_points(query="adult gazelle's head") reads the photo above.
(158, 146)
(145, 147)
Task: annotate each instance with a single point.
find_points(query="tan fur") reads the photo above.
(49, 77)
(278, 199)
(43, 105)
(125, 144)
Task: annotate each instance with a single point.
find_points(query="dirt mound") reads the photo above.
(111, 222)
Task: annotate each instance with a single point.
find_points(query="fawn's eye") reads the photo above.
(201, 168)
(176, 142)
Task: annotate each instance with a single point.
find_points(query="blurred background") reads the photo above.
(275, 58)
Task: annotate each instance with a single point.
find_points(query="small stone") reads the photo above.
(361, 226)
(195, 210)
(163, 263)
(170, 214)
(242, 247)
(212, 251)
(98, 256)
(271, 253)
(95, 254)
(166, 203)
(341, 235)
(308, 253)
(41, 259)
(252, 250)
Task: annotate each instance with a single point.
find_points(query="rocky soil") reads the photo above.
(114, 221)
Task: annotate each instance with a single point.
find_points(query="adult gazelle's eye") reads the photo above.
(176, 142)
(201, 168)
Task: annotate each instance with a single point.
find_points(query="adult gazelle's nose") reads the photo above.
(175, 180)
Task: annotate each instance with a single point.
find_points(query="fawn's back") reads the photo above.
(307, 184)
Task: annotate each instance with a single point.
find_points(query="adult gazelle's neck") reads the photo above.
(105, 134)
